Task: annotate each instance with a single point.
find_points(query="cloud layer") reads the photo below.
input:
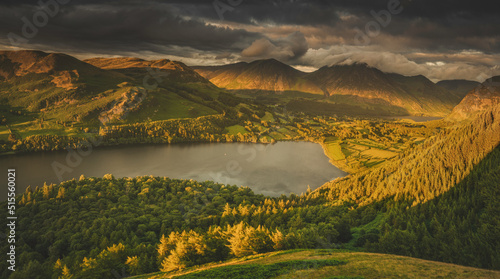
(439, 39)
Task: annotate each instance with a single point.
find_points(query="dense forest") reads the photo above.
(90, 227)
(460, 226)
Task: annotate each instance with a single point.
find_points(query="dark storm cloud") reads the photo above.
(130, 24)
(285, 49)
(295, 31)
(127, 27)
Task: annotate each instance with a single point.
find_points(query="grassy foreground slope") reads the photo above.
(328, 264)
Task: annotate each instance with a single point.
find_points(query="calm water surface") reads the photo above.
(272, 169)
(414, 118)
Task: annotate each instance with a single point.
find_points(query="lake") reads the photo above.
(414, 118)
(270, 169)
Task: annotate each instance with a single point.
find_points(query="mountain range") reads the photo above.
(67, 89)
(356, 84)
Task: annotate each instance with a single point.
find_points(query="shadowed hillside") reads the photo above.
(458, 86)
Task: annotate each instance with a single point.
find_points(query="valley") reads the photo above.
(422, 188)
(249, 139)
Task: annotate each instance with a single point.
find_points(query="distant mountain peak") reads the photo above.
(269, 60)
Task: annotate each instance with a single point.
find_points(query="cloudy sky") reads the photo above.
(440, 39)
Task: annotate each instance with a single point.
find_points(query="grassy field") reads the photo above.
(334, 151)
(328, 264)
(162, 104)
(379, 153)
(268, 117)
(234, 130)
(353, 155)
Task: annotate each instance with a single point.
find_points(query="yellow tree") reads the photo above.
(239, 240)
(133, 265)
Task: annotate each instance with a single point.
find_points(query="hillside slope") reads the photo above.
(459, 226)
(20, 63)
(314, 264)
(451, 155)
(163, 69)
(56, 86)
(357, 85)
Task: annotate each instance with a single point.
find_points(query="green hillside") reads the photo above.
(328, 264)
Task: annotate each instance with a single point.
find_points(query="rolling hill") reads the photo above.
(20, 63)
(57, 86)
(164, 69)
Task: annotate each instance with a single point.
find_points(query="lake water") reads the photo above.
(271, 169)
(414, 118)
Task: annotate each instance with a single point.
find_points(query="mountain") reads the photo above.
(55, 88)
(262, 75)
(20, 63)
(481, 98)
(36, 81)
(459, 87)
(363, 84)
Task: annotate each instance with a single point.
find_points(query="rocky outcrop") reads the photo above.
(129, 101)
